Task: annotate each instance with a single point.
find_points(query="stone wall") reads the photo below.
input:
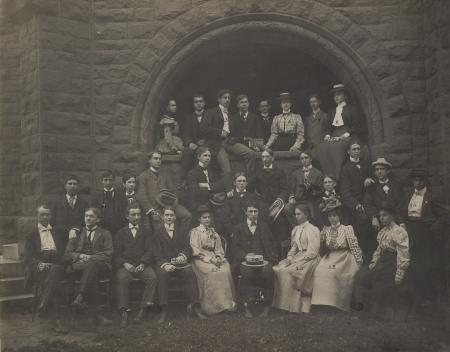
(10, 135)
(89, 70)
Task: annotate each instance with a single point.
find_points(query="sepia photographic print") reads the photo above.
(224, 175)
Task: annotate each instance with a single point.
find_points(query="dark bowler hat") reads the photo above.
(339, 87)
(218, 199)
(422, 173)
(166, 198)
(387, 206)
(204, 208)
(285, 96)
(383, 162)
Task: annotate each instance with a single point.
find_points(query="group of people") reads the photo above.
(349, 240)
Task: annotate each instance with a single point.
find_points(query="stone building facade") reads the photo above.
(83, 81)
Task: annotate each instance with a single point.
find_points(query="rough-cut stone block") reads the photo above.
(338, 24)
(143, 29)
(104, 87)
(105, 31)
(397, 106)
(355, 37)
(129, 94)
(104, 124)
(122, 134)
(74, 144)
(105, 104)
(112, 57)
(113, 4)
(417, 102)
(110, 72)
(320, 14)
(405, 51)
(76, 9)
(113, 15)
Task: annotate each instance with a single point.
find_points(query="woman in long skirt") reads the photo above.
(382, 282)
(334, 276)
(212, 270)
(293, 275)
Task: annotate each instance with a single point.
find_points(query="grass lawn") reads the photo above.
(318, 331)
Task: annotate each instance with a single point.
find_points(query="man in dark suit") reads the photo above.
(44, 265)
(316, 123)
(68, 211)
(265, 119)
(134, 255)
(111, 202)
(426, 220)
(271, 183)
(202, 180)
(253, 236)
(89, 259)
(354, 179)
(217, 128)
(234, 209)
(151, 182)
(305, 188)
(385, 189)
(173, 255)
(192, 136)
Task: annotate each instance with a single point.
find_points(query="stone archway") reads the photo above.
(326, 47)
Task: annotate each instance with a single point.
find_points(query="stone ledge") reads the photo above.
(284, 155)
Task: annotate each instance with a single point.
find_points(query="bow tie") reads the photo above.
(170, 227)
(253, 223)
(44, 229)
(134, 227)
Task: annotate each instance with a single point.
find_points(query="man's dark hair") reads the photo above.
(198, 95)
(127, 175)
(200, 151)
(153, 152)
(107, 173)
(96, 211)
(67, 178)
(251, 204)
(131, 206)
(241, 96)
(222, 92)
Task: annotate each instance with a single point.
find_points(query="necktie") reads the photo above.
(90, 234)
(134, 230)
(109, 195)
(72, 202)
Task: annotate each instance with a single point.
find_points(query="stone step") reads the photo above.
(22, 300)
(11, 251)
(11, 268)
(11, 286)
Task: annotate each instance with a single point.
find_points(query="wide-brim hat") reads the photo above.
(387, 206)
(218, 199)
(422, 173)
(166, 198)
(275, 209)
(331, 204)
(383, 162)
(339, 87)
(285, 96)
(203, 208)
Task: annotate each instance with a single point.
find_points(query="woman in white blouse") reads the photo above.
(293, 275)
(341, 260)
(376, 284)
(215, 283)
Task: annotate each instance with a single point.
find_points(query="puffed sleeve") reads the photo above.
(218, 249)
(313, 242)
(300, 133)
(195, 240)
(402, 243)
(274, 131)
(353, 244)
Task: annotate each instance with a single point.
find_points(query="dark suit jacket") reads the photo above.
(433, 210)
(134, 250)
(32, 255)
(149, 186)
(234, 209)
(168, 248)
(192, 132)
(113, 210)
(251, 127)
(352, 118)
(266, 126)
(200, 196)
(351, 181)
(65, 218)
(315, 129)
(212, 124)
(240, 243)
(102, 246)
(297, 184)
(270, 184)
(375, 195)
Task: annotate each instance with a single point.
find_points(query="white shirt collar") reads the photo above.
(420, 192)
(152, 169)
(202, 165)
(383, 182)
(266, 116)
(169, 227)
(244, 191)
(341, 105)
(287, 112)
(131, 226)
(249, 223)
(44, 228)
(223, 108)
(108, 190)
(307, 168)
(92, 229)
(354, 160)
(74, 197)
(130, 194)
(268, 167)
(243, 114)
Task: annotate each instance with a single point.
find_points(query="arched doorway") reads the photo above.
(310, 59)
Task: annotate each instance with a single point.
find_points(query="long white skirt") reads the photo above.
(216, 288)
(333, 280)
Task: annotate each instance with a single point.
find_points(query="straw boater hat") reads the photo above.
(285, 96)
(218, 199)
(382, 161)
(339, 87)
(166, 198)
(275, 209)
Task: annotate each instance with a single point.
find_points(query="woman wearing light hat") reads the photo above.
(345, 124)
(333, 277)
(287, 131)
(215, 283)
